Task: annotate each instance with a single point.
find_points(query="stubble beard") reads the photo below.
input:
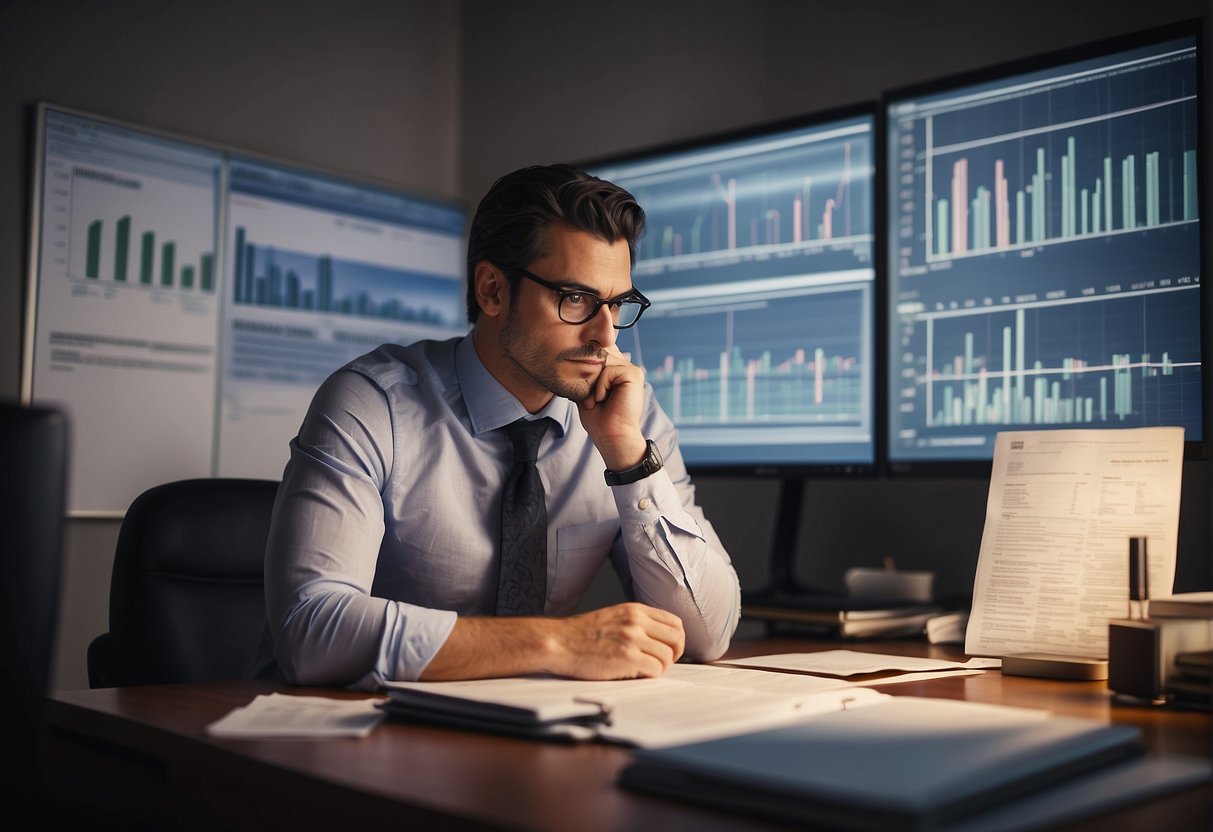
(527, 355)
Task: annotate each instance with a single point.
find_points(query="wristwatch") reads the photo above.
(649, 465)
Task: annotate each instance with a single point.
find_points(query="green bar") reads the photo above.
(187, 277)
(122, 247)
(92, 261)
(148, 255)
(208, 273)
(167, 252)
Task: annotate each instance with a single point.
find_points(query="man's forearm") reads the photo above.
(620, 642)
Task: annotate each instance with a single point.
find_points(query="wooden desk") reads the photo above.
(144, 751)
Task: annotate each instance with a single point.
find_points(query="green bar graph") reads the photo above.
(199, 276)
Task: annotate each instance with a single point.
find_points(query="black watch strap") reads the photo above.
(650, 464)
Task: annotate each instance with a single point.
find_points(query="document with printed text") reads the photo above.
(1053, 566)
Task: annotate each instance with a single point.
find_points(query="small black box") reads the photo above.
(1141, 652)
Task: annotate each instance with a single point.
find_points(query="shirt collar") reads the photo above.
(490, 406)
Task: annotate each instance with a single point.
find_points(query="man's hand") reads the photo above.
(624, 641)
(611, 413)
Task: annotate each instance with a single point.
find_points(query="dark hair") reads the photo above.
(509, 229)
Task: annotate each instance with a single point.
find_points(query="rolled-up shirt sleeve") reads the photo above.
(324, 542)
(674, 557)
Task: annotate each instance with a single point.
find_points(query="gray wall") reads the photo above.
(444, 97)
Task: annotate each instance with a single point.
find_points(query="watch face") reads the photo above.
(650, 464)
(652, 460)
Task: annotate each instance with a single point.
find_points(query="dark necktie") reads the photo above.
(522, 580)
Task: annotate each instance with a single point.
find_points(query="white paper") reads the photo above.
(1062, 505)
(903, 678)
(284, 716)
(853, 662)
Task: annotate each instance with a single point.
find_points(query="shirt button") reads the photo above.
(644, 504)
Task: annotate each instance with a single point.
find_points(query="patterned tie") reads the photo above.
(522, 580)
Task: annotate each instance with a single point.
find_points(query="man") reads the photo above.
(384, 555)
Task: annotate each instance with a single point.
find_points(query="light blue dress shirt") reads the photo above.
(386, 523)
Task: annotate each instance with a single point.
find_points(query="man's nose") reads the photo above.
(602, 326)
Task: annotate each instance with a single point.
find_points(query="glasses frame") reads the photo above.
(633, 296)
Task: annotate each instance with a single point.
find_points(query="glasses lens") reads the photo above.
(627, 313)
(577, 308)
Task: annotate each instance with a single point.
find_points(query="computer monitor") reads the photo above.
(187, 298)
(1043, 250)
(758, 258)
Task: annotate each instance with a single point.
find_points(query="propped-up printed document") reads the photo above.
(1063, 504)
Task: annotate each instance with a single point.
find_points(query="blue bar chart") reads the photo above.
(804, 194)
(275, 277)
(1043, 253)
(1062, 364)
(729, 367)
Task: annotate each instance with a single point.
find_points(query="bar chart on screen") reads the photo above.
(1044, 253)
(793, 196)
(1071, 157)
(1061, 363)
(281, 278)
(116, 237)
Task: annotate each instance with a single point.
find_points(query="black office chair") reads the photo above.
(186, 597)
(34, 450)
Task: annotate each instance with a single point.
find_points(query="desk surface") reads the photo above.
(145, 750)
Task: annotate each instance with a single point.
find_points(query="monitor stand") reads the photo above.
(787, 530)
(783, 587)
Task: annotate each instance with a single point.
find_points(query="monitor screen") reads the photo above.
(758, 260)
(186, 300)
(1043, 250)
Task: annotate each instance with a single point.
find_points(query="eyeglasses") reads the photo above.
(578, 306)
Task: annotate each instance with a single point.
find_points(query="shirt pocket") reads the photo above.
(580, 553)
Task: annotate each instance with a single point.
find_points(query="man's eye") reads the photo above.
(576, 298)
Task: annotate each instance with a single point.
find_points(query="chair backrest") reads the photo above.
(186, 596)
(34, 447)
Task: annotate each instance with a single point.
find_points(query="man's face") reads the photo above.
(547, 354)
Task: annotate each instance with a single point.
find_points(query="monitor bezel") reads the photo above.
(1089, 50)
(807, 121)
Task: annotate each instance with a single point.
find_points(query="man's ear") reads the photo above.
(492, 289)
